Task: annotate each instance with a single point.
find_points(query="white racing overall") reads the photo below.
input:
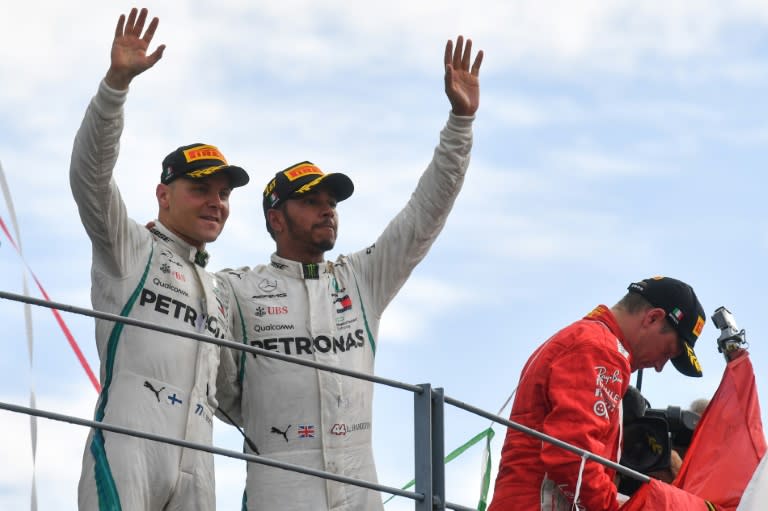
(151, 381)
(328, 313)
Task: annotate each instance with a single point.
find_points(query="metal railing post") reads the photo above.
(438, 450)
(422, 438)
(429, 452)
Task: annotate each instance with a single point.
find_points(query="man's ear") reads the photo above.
(276, 220)
(654, 315)
(162, 192)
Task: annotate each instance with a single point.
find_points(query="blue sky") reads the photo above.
(614, 141)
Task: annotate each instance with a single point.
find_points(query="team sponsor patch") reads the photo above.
(204, 152)
(267, 285)
(170, 287)
(201, 412)
(156, 392)
(303, 169)
(698, 327)
(310, 270)
(600, 409)
(607, 400)
(344, 304)
(181, 311)
(306, 346)
(271, 328)
(166, 268)
(604, 375)
(343, 323)
(276, 295)
(160, 235)
(278, 431)
(169, 255)
(344, 429)
(271, 311)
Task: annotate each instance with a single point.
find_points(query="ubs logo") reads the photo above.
(166, 268)
(271, 311)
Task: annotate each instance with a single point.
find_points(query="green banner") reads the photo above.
(486, 478)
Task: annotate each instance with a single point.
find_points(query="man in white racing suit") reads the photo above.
(329, 312)
(152, 382)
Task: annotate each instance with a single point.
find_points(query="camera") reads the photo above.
(650, 434)
(731, 338)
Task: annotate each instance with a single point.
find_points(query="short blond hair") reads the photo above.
(634, 302)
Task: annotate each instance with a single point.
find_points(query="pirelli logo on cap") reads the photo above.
(204, 152)
(302, 169)
(698, 327)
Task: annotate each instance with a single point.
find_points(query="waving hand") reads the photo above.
(461, 82)
(129, 49)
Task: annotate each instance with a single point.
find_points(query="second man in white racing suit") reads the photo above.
(300, 304)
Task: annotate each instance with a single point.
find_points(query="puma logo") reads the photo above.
(278, 432)
(156, 392)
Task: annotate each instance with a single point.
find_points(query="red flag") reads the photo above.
(726, 448)
(728, 442)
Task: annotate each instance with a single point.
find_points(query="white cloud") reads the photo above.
(420, 303)
(590, 164)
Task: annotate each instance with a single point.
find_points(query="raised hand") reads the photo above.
(129, 49)
(462, 85)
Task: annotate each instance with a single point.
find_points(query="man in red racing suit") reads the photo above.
(571, 389)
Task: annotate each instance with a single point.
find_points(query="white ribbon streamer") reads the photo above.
(30, 341)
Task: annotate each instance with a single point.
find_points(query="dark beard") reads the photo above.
(325, 246)
(322, 247)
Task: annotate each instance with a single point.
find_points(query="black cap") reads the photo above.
(198, 161)
(684, 312)
(301, 178)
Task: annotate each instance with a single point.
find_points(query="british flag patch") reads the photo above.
(306, 431)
